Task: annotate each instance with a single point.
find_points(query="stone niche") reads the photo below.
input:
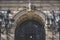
(28, 15)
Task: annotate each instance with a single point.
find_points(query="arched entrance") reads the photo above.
(30, 30)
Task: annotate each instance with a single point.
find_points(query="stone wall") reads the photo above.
(21, 13)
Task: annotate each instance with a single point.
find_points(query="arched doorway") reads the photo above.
(30, 30)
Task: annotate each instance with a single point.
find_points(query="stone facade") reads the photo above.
(20, 13)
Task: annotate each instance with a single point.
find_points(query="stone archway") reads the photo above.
(31, 15)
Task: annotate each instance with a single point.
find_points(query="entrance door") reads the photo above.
(30, 30)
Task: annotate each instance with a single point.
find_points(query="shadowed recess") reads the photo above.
(30, 30)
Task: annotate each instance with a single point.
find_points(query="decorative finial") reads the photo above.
(29, 6)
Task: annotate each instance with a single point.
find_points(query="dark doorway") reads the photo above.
(30, 30)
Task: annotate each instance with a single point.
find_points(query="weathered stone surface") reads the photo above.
(21, 13)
